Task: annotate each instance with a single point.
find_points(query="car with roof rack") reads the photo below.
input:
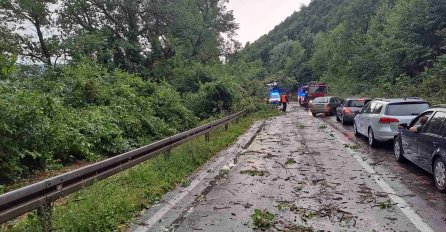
(378, 120)
(426, 145)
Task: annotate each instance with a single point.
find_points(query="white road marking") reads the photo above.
(154, 219)
(416, 220)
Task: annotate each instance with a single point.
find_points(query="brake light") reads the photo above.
(347, 110)
(385, 120)
(328, 106)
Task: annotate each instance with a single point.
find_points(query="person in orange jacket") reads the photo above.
(284, 99)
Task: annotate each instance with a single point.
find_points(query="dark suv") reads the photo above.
(425, 147)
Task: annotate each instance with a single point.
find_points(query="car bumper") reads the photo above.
(348, 117)
(320, 111)
(384, 133)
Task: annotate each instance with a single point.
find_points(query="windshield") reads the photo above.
(321, 100)
(317, 89)
(357, 103)
(407, 109)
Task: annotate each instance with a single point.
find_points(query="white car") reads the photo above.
(379, 119)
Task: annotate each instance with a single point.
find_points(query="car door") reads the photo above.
(374, 116)
(369, 120)
(361, 119)
(409, 139)
(429, 140)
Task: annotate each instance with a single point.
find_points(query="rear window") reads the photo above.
(357, 103)
(407, 109)
(321, 100)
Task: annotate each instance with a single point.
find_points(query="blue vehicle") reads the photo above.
(274, 97)
(425, 145)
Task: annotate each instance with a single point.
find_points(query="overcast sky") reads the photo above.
(258, 17)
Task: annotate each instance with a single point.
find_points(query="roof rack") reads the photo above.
(439, 106)
(381, 99)
(416, 98)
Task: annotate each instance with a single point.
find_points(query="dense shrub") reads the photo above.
(214, 98)
(82, 111)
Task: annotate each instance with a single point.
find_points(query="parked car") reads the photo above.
(379, 119)
(345, 113)
(326, 105)
(427, 147)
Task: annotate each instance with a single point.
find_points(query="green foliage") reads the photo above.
(82, 112)
(215, 98)
(262, 218)
(360, 47)
(167, 105)
(7, 65)
(111, 203)
(8, 52)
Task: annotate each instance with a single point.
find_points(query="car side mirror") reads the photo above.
(403, 125)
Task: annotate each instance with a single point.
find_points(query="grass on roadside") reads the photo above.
(109, 204)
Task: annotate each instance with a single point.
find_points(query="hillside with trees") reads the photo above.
(384, 48)
(89, 79)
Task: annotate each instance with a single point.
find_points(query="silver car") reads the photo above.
(379, 119)
(326, 105)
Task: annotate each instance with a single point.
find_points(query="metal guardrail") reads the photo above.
(43, 193)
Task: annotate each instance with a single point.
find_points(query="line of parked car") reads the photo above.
(418, 131)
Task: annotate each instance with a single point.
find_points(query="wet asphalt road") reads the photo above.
(429, 203)
(312, 174)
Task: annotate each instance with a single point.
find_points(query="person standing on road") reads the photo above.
(284, 100)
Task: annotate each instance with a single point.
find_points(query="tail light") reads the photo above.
(328, 106)
(385, 120)
(347, 111)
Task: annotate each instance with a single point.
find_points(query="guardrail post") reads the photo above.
(45, 217)
(167, 153)
(207, 137)
(226, 126)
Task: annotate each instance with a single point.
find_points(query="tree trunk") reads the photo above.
(45, 52)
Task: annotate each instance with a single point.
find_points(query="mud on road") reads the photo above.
(304, 175)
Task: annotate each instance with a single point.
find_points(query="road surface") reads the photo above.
(311, 174)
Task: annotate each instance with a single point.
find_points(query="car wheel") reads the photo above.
(440, 174)
(371, 137)
(355, 130)
(398, 150)
(314, 114)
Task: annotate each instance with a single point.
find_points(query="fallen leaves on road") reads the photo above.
(255, 172)
(262, 218)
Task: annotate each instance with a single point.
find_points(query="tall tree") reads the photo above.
(43, 44)
(135, 30)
